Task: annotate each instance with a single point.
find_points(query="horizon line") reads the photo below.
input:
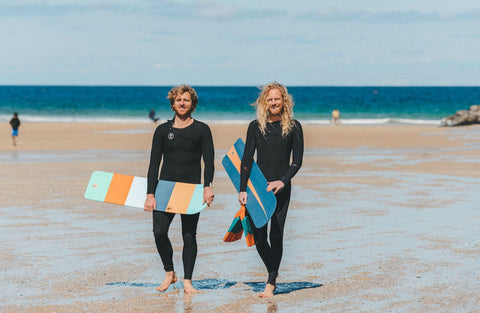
(229, 86)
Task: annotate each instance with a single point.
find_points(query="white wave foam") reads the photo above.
(373, 121)
(416, 122)
(225, 122)
(79, 119)
(210, 120)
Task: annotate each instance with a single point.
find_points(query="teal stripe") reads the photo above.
(236, 226)
(246, 226)
(196, 205)
(98, 186)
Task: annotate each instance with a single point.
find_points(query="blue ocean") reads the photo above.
(357, 105)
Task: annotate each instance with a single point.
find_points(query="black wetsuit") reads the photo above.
(182, 150)
(273, 158)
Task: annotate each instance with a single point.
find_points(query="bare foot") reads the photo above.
(188, 288)
(170, 278)
(268, 292)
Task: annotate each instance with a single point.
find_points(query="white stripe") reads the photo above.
(137, 193)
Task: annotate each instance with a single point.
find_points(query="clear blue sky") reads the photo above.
(210, 42)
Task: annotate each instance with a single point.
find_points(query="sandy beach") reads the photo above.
(382, 219)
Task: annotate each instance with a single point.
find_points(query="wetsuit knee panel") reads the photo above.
(189, 238)
(160, 234)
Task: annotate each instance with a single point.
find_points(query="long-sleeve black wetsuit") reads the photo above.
(274, 153)
(182, 150)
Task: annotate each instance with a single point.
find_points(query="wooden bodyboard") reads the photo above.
(260, 203)
(131, 191)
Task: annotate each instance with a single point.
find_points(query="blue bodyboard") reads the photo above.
(260, 203)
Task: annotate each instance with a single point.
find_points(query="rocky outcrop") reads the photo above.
(463, 117)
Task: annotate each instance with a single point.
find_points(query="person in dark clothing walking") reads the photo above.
(182, 142)
(15, 123)
(278, 141)
(151, 115)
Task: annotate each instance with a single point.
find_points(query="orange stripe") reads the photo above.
(237, 162)
(181, 196)
(250, 240)
(118, 191)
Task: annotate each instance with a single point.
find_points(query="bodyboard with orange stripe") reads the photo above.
(260, 203)
(131, 191)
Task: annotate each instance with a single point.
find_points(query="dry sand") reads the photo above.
(382, 219)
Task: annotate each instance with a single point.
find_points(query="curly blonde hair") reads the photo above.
(180, 90)
(287, 121)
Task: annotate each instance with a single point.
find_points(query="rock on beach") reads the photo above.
(463, 117)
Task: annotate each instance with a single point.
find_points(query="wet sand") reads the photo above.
(382, 219)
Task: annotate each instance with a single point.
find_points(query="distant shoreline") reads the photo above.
(219, 121)
(124, 104)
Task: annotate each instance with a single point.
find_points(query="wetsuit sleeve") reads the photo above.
(155, 159)
(247, 159)
(297, 154)
(208, 153)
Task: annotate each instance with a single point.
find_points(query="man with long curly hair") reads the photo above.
(278, 140)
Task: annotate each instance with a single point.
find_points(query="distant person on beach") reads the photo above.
(182, 142)
(335, 117)
(276, 137)
(15, 123)
(151, 115)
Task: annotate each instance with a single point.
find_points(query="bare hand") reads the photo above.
(242, 197)
(208, 195)
(276, 186)
(150, 203)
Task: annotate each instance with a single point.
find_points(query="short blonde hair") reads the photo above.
(180, 90)
(287, 121)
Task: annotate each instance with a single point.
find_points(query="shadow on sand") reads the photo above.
(284, 288)
(210, 284)
(204, 284)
